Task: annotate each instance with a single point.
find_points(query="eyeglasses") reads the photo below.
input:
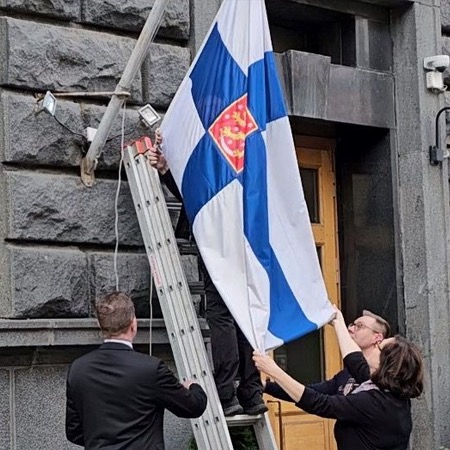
(360, 326)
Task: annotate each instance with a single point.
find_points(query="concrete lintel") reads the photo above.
(389, 3)
(72, 332)
(317, 89)
(352, 7)
(371, 91)
(306, 78)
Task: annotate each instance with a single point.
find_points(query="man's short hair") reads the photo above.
(115, 312)
(383, 324)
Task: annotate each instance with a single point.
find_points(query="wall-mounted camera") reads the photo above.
(435, 66)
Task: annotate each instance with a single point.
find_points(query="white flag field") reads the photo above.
(229, 145)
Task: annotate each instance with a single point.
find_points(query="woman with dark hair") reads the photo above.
(377, 414)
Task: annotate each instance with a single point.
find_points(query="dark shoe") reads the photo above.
(255, 408)
(232, 407)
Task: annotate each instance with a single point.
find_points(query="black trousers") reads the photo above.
(231, 353)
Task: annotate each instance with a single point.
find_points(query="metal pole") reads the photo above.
(89, 162)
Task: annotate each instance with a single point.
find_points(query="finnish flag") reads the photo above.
(229, 145)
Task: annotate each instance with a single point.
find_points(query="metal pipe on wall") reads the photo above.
(89, 162)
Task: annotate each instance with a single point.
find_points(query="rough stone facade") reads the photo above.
(57, 236)
(43, 201)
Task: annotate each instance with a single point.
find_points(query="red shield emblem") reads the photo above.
(230, 130)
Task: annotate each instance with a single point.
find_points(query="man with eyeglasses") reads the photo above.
(367, 331)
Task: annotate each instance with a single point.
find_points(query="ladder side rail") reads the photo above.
(151, 242)
(264, 433)
(185, 312)
(186, 315)
(183, 361)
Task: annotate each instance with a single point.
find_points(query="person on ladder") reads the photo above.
(231, 352)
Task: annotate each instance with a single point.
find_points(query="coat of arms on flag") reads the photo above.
(230, 131)
(228, 142)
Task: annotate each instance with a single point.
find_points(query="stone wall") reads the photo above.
(55, 232)
(57, 236)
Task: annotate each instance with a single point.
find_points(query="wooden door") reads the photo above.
(314, 357)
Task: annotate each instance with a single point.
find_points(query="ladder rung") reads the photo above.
(242, 420)
(173, 204)
(196, 287)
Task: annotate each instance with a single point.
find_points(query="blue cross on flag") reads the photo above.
(229, 145)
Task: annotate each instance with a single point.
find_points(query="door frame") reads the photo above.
(319, 154)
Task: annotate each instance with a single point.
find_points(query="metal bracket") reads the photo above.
(437, 154)
(87, 167)
(137, 57)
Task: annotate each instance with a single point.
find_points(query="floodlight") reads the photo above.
(149, 115)
(49, 103)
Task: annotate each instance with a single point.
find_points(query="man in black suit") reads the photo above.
(116, 397)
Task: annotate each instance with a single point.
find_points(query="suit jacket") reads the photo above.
(116, 399)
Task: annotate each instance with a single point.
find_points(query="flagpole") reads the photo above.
(89, 162)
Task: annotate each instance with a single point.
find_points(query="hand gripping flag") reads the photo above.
(229, 145)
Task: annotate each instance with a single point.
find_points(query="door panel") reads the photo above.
(307, 435)
(294, 429)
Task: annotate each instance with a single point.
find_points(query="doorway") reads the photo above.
(316, 356)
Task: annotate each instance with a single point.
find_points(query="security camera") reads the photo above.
(437, 63)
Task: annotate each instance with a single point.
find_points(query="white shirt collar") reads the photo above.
(119, 341)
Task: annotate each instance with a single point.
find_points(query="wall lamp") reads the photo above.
(148, 115)
(49, 103)
(49, 99)
(438, 154)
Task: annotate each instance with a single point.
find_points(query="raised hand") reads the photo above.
(338, 318)
(265, 363)
(158, 137)
(156, 157)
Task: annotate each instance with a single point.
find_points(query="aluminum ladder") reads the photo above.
(211, 429)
